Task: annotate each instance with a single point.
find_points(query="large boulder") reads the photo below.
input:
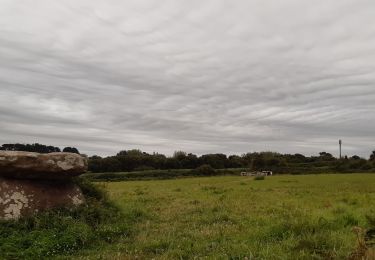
(51, 166)
(25, 197)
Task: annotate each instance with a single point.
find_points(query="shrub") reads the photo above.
(205, 170)
(259, 178)
(144, 168)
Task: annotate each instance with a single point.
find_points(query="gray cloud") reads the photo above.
(201, 76)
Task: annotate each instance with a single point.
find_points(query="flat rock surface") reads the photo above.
(25, 197)
(27, 165)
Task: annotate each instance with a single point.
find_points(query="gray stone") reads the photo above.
(25, 197)
(51, 166)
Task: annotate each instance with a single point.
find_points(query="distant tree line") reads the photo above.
(136, 160)
(38, 148)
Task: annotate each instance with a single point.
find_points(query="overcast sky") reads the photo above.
(199, 76)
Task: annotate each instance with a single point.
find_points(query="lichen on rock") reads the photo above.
(32, 182)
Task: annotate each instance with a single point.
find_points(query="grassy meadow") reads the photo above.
(330, 216)
(232, 217)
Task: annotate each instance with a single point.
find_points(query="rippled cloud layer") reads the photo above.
(200, 76)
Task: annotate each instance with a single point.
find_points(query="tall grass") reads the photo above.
(231, 217)
(284, 217)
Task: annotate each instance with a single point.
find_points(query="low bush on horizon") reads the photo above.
(259, 178)
(202, 171)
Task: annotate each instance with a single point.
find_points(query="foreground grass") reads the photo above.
(281, 217)
(228, 217)
(62, 232)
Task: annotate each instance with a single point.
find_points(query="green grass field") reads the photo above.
(281, 217)
(327, 216)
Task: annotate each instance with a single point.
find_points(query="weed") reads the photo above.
(214, 189)
(194, 202)
(156, 247)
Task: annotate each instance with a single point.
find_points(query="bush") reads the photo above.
(205, 170)
(144, 168)
(259, 178)
(62, 231)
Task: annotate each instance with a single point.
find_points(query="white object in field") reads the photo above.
(262, 173)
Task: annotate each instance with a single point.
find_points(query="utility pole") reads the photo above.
(340, 144)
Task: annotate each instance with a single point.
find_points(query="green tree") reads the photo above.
(372, 156)
(70, 150)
